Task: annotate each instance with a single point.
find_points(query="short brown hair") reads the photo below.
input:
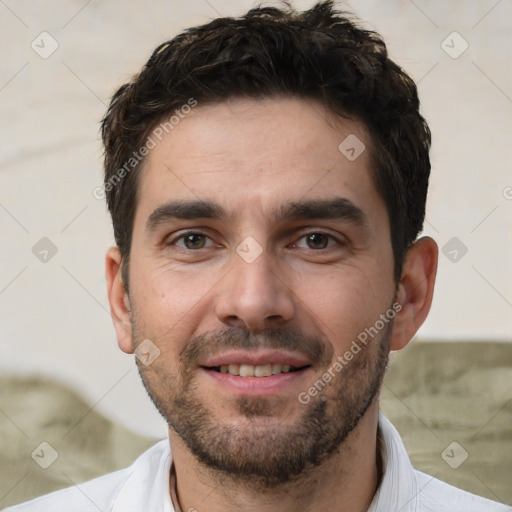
(319, 54)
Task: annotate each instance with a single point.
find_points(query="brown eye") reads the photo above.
(194, 241)
(317, 241)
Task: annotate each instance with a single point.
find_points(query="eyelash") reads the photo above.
(182, 236)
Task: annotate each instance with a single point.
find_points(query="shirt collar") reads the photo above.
(147, 488)
(397, 490)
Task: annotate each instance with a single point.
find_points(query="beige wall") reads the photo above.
(54, 315)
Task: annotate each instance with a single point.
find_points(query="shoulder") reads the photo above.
(95, 495)
(437, 496)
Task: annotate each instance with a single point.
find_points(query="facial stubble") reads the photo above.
(266, 453)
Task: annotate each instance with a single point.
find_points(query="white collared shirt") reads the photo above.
(144, 487)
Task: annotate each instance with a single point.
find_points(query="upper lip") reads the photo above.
(257, 358)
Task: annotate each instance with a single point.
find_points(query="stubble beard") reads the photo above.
(267, 454)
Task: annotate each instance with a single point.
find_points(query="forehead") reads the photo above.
(253, 156)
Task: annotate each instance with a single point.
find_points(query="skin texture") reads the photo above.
(309, 298)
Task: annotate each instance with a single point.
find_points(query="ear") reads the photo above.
(415, 291)
(119, 300)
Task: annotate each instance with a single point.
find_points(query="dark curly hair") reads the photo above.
(321, 54)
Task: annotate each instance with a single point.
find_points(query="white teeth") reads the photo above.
(234, 369)
(246, 370)
(263, 371)
(249, 370)
(276, 369)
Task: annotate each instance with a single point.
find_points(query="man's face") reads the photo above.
(257, 242)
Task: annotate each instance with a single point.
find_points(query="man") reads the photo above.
(267, 178)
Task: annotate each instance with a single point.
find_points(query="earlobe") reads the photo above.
(415, 291)
(119, 300)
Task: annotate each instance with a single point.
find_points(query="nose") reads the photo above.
(254, 296)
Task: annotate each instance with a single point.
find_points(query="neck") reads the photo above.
(347, 481)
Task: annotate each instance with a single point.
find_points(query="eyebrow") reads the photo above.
(338, 208)
(184, 210)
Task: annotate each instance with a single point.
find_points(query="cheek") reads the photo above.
(342, 305)
(168, 303)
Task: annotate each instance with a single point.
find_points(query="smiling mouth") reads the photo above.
(249, 370)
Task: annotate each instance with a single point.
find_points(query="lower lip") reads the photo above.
(255, 386)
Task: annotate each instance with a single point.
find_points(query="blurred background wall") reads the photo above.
(61, 63)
